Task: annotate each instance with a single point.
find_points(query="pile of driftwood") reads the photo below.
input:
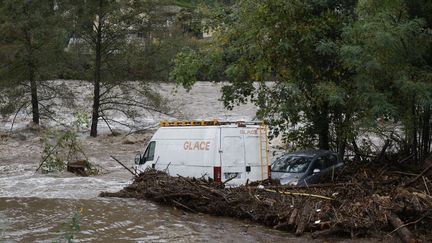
(361, 201)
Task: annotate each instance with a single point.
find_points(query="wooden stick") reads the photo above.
(230, 179)
(46, 157)
(124, 166)
(419, 175)
(427, 188)
(402, 173)
(310, 186)
(300, 194)
(184, 206)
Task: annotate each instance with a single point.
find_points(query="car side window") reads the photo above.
(330, 160)
(149, 153)
(318, 164)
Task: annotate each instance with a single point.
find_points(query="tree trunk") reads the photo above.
(426, 133)
(341, 124)
(323, 128)
(414, 131)
(34, 97)
(33, 85)
(97, 80)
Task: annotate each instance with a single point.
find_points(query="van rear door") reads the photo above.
(233, 155)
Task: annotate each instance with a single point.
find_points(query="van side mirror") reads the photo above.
(316, 171)
(138, 159)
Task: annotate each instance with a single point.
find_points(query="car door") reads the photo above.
(311, 177)
(331, 162)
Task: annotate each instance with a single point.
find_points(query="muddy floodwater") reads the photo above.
(36, 207)
(107, 220)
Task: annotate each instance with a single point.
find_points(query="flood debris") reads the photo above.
(82, 168)
(362, 201)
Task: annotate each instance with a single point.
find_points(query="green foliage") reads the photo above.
(52, 162)
(121, 41)
(389, 49)
(338, 66)
(294, 42)
(31, 47)
(190, 22)
(135, 42)
(186, 67)
(31, 40)
(61, 148)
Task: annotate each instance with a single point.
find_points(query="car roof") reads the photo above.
(308, 153)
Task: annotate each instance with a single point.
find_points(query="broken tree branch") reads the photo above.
(124, 166)
(419, 175)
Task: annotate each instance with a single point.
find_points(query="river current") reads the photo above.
(35, 207)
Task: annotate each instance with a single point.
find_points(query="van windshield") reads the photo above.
(291, 164)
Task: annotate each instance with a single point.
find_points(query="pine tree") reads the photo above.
(30, 46)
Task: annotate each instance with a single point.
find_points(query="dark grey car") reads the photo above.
(305, 167)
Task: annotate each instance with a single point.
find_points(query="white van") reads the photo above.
(218, 150)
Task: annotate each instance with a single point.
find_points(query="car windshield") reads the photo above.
(292, 164)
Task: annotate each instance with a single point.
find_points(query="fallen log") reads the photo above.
(404, 233)
(293, 217)
(303, 219)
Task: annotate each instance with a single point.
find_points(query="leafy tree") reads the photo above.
(190, 22)
(390, 50)
(30, 49)
(297, 44)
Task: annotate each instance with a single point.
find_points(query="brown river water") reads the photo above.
(37, 207)
(117, 220)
